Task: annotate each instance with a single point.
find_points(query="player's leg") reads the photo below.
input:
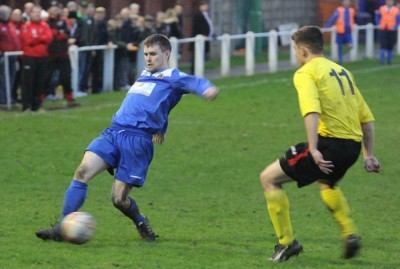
(337, 204)
(391, 37)
(271, 180)
(383, 48)
(339, 43)
(128, 206)
(75, 195)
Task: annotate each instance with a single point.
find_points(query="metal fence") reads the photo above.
(357, 52)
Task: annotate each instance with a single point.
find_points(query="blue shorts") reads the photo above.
(345, 38)
(130, 152)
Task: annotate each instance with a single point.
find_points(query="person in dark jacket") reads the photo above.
(202, 25)
(75, 32)
(114, 28)
(100, 38)
(35, 36)
(86, 57)
(174, 26)
(58, 59)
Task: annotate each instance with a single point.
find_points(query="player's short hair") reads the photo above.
(310, 37)
(161, 40)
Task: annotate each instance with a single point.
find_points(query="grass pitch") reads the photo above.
(202, 194)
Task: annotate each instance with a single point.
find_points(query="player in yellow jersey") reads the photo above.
(338, 124)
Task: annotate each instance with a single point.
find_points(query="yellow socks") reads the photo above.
(278, 208)
(337, 204)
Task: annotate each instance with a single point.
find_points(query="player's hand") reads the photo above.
(158, 138)
(371, 164)
(324, 166)
(211, 93)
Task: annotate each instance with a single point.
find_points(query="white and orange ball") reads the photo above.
(78, 227)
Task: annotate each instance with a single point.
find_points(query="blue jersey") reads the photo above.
(152, 97)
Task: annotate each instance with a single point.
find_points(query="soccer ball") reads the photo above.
(78, 227)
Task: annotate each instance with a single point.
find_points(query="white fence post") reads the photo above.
(225, 55)
(199, 55)
(354, 49)
(140, 63)
(293, 59)
(108, 69)
(7, 54)
(334, 47)
(173, 59)
(8, 83)
(273, 51)
(74, 60)
(369, 41)
(250, 48)
(398, 40)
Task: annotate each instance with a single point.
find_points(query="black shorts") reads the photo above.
(299, 165)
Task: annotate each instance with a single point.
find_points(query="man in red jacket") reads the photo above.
(35, 36)
(9, 41)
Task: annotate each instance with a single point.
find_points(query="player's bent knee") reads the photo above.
(265, 179)
(118, 201)
(262, 177)
(269, 178)
(82, 173)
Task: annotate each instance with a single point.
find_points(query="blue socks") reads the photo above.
(74, 197)
(133, 212)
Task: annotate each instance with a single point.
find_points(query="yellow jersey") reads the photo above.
(330, 90)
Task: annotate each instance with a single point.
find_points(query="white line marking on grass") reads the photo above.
(376, 68)
(285, 80)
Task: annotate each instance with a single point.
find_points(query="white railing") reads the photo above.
(273, 48)
(108, 60)
(108, 64)
(225, 52)
(7, 56)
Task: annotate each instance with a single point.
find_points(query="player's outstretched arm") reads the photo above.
(211, 93)
(371, 164)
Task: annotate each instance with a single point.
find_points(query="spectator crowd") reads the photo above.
(45, 36)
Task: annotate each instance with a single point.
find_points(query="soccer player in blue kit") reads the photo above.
(127, 145)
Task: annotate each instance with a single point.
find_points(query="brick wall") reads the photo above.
(326, 9)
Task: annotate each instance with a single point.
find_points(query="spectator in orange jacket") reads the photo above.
(343, 17)
(388, 19)
(36, 36)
